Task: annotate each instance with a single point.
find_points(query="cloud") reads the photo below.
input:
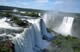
(67, 5)
(22, 3)
(59, 5)
(3, 0)
(58, 2)
(26, 4)
(42, 1)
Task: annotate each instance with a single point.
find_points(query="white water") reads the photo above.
(7, 31)
(4, 24)
(31, 40)
(45, 16)
(65, 27)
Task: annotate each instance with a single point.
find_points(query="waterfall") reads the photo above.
(62, 25)
(65, 27)
(45, 17)
(44, 31)
(31, 39)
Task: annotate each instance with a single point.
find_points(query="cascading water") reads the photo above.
(65, 27)
(31, 40)
(45, 17)
(7, 32)
(60, 24)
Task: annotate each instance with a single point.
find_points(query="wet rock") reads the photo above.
(6, 46)
(45, 50)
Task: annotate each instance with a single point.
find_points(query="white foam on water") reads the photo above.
(4, 24)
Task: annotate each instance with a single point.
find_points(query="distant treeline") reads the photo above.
(20, 9)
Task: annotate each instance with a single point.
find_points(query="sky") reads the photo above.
(56, 5)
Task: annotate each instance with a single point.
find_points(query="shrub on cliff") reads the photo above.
(6, 46)
(19, 22)
(5, 49)
(8, 14)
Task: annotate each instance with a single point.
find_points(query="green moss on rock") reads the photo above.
(20, 22)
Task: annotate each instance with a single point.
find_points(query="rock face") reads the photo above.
(6, 46)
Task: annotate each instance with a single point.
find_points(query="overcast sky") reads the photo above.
(58, 5)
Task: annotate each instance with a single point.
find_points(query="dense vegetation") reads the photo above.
(5, 49)
(10, 13)
(10, 8)
(32, 14)
(65, 42)
(20, 22)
